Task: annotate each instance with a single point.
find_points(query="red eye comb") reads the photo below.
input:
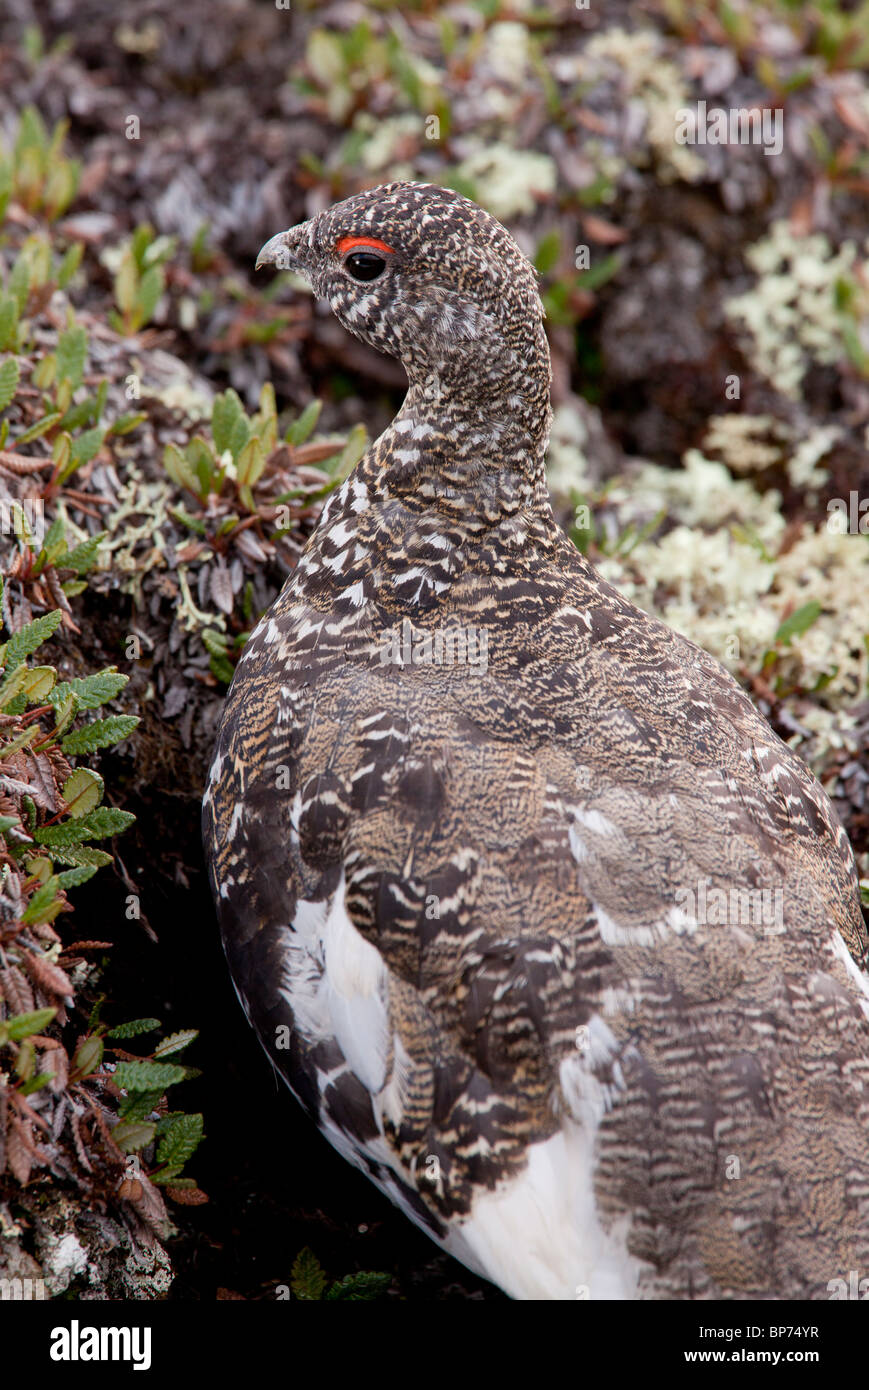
(362, 243)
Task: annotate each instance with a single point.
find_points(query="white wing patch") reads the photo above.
(859, 978)
(337, 987)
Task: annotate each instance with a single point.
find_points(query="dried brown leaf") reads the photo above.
(48, 976)
(19, 1149)
(187, 1196)
(15, 989)
(220, 588)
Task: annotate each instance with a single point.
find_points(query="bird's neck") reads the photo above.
(470, 437)
(455, 485)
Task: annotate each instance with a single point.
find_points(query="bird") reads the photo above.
(535, 915)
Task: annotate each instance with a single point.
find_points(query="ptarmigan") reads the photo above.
(534, 914)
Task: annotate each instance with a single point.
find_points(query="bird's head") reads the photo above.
(423, 274)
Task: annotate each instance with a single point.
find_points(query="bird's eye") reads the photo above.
(365, 265)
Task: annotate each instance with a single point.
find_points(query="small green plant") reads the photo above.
(794, 625)
(310, 1283)
(145, 1122)
(233, 461)
(59, 809)
(36, 174)
(140, 279)
(236, 482)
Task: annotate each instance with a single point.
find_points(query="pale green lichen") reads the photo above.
(702, 494)
(567, 466)
(190, 617)
(751, 443)
(507, 52)
(384, 139)
(636, 63)
(140, 516)
(792, 315)
(743, 441)
(509, 181)
(803, 467)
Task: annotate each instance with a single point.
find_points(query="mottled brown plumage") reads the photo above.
(468, 811)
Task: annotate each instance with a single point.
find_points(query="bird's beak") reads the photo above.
(286, 251)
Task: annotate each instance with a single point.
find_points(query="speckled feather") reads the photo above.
(455, 889)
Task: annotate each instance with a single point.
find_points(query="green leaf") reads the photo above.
(38, 683)
(71, 878)
(308, 1278)
(40, 905)
(134, 1028)
(85, 412)
(107, 820)
(180, 1138)
(179, 469)
(72, 346)
(18, 283)
(21, 1026)
(80, 855)
(12, 686)
(8, 320)
(168, 1175)
(84, 556)
(64, 713)
(147, 1076)
(175, 1042)
(22, 643)
(357, 443)
(54, 543)
(70, 264)
(126, 423)
(31, 132)
(547, 253)
(150, 288)
(226, 411)
(190, 522)
(304, 427)
(83, 790)
(19, 741)
(132, 1135)
(239, 437)
(41, 427)
(362, 1287)
(10, 373)
(102, 733)
(88, 1056)
(251, 462)
(91, 691)
(83, 449)
(798, 622)
(35, 1083)
(138, 1105)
